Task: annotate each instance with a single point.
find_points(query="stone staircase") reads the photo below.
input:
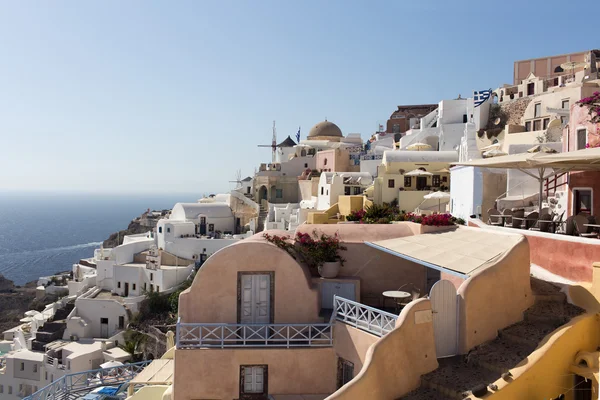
(52, 330)
(456, 377)
(262, 218)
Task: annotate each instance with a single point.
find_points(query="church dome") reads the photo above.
(325, 129)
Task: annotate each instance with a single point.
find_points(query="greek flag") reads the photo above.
(481, 96)
(298, 136)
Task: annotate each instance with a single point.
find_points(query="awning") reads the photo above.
(158, 372)
(462, 251)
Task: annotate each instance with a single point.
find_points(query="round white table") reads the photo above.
(398, 296)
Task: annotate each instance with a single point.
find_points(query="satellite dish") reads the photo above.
(497, 121)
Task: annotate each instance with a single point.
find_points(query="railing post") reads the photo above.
(177, 333)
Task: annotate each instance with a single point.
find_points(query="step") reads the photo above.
(424, 393)
(500, 355)
(455, 376)
(552, 312)
(528, 332)
(547, 291)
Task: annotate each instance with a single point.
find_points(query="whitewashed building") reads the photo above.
(332, 185)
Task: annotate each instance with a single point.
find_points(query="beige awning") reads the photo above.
(461, 251)
(158, 372)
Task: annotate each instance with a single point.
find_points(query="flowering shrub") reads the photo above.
(593, 105)
(314, 250)
(356, 215)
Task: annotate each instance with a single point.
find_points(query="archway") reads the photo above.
(262, 193)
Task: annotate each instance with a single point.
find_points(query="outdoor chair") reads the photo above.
(543, 224)
(584, 231)
(508, 221)
(517, 223)
(494, 220)
(532, 220)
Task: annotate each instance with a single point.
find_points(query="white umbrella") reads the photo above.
(419, 146)
(418, 172)
(111, 364)
(439, 196)
(494, 153)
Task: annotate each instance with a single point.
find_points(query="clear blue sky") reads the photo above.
(149, 96)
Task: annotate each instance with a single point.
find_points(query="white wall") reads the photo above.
(125, 252)
(466, 191)
(188, 247)
(369, 166)
(91, 310)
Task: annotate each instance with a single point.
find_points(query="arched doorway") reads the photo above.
(262, 193)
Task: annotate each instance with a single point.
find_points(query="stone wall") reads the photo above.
(515, 110)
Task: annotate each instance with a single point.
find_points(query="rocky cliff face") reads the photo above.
(116, 238)
(14, 301)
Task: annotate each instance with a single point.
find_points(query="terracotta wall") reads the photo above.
(495, 297)
(214, 373)
(394, 364)
(213, 295)
(352, 344)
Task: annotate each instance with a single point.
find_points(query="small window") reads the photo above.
(118, 285)
(327, 193)
(528, 126)
(357, 190)
(104, 321)
(145, 286)
(121, 322)
(537, 110)
(46, 375)
(157, 288)
(133, 286)
(34, 368)
(151, 276)
(253, 379)
(151, 288)
(160, 229)
(22, 367)
(10, 390)
(391, 183)
(537, 125)
(324, 161)
(565, 104)
(1, 388)
(168, 230)
(581, 139)
(279, 193)
(546, 123)
(347, 190)
(407, 181)
(435, 180)
(322, 190)
(211, 227)
(305, 165)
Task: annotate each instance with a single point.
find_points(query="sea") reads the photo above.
(45, 233)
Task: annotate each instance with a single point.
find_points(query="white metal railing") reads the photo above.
(197, 335)
(363, 317)
(79, 383)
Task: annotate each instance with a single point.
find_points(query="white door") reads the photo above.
(329, 289)
(256, 299)
(254, 378)
(444, 305)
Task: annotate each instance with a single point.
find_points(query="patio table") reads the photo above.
(398, 296)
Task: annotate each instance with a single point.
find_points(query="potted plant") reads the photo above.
(320, 252)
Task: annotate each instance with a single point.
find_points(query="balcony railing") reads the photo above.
(197, 335)
(363, 317)
(77, 385)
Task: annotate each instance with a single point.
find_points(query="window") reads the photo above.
(104, 320)
(305, 165)
(391, 183)
(407, 181)
(345, 372)
(347, 190)
(121, 322)
(211, 227)
(322, 190)
(1, 388)
(357, 190)
(157, 288)
(435, 180)
(581, 139)
(133, 286)
(253, 379)
(537, 125)
(528, 126)
(465, 119)
(279, 193)
(22, 368)
(151, 288)
(565, 104)
(327, 193)
(396, 128)
(118, 285)
(10, 390)
(145, 286)
(34, 368)
(324, 161)
(151, 276)
(160, 229)
(168, 230)
(582, 201)
(46, 375)
(537, 110)
(546, 122)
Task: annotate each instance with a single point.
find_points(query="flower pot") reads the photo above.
(329, 269)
